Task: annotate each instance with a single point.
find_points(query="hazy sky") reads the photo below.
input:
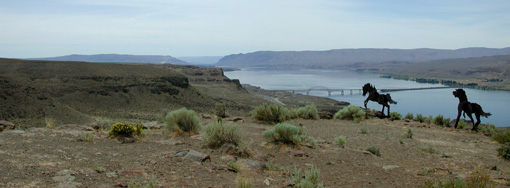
(44, 28)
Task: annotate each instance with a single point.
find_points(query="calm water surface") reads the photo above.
(426, 102)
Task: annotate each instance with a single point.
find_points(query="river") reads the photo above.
(426, 102)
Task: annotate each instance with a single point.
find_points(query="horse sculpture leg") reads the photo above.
(388, 110)
(458, 117)
(382, 111)
(474, 125)
(366, 101)
(477, 121)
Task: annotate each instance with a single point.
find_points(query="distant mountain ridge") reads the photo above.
(334, 58)
(117, 58)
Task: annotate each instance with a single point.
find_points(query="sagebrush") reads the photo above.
(217, 134)
(308, 112)
(183, 121)
(286, 133)
(271, 113)
(126, 130)
(351, 112)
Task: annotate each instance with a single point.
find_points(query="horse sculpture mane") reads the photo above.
(468, 108)
(373, 95)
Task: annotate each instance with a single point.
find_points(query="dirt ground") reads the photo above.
(44, 157)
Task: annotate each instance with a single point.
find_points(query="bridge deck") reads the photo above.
(342, 90)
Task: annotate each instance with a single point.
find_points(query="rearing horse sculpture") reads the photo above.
(373, 95)
(468, 108)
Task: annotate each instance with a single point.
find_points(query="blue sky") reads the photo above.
(45, 28)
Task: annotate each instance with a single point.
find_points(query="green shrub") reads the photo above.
(446, 122)
(350, 112)
(340, 140)
(374, 151)
(363, 130)
(272, 113)
(438, 120)
(461, 124)
(429, 119)
(478, 178)
(409, 116)
(98, 169)
(311, 178)
(409, 133)
(395, 116)
(419, 118)
(126, 130)
(502, 137)
(489, 130)
(87, 137)
(308, 112)
(183, 121)
(217, 134)
(220, 110)
(243, 182)
(286, 133)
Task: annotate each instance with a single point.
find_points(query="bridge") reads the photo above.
(351, 91)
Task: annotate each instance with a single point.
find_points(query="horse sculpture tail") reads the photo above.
(479, 109)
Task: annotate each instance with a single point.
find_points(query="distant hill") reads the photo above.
(201, 60)
(335, 58)
(117, 58)
(486, 72)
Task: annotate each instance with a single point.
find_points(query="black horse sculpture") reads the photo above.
(468, 108)
(373, 95)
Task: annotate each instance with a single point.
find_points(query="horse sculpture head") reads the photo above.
(460, 93)
(367, 88)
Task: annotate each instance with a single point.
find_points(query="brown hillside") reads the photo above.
(78, 92)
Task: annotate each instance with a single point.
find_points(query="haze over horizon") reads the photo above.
(33, 28)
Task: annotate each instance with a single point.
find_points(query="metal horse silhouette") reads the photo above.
(373, 95)
(468, 108)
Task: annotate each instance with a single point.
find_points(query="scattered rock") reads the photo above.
(192, 155)
(111, 174)
(14, 132)
(152, 125)
(196, 137)
(65, 178)
(5, 125)
(121, 185)
(234, 119)
(74, 127)
(224, 167)
(495, 168)
(131, 172)
(248, 164)
(127, 140)
(298, 153)
(207, 116)
(227, 158)
(36, 129)
(389, 167)
(265, 157)
(96, 126)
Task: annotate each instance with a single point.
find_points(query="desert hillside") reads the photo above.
(79, 92)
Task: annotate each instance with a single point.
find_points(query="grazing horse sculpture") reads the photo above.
(468, 108)
(373, 95)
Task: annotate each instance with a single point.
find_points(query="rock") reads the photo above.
(5, 125)
(66, 172)
(152, 125)
(131, 172)
(389, 167)
(228, 148)
(206, 116)
(248, 164)
(224, 167)
(96, 126)
(111, 174)
(495, 168)
(65, 178)
(227, 158)
(234, 119)
(265, 157)
(298, 153)
(127, 140)
(14, 132)
(325, 115)
(192, 155)
(36, 129)
(74, 127)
